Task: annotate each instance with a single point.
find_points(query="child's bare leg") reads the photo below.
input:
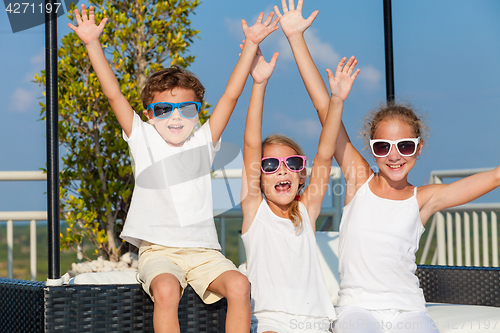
(166, 291)
(235, 287)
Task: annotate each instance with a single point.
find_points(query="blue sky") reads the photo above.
(446, 56)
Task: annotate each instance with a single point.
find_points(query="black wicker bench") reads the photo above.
(27, 306)
(460, 284)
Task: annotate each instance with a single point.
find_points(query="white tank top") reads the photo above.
(283, 266)
(377, 245)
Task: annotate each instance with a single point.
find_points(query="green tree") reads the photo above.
(96, 181)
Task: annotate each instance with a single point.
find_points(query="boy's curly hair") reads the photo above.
(293, 207)
(400, 111)
(168, 79)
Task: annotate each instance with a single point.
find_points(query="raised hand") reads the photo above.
(260, 30)
(261, 70)
(87, 30)
(292, 22)
(341, 83)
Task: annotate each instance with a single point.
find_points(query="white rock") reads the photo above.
(127, 258)
(122, 266)
(85, 268)
(111, 264)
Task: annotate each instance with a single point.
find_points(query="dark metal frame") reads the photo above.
(27, 306)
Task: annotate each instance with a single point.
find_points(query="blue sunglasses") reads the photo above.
(163, 110)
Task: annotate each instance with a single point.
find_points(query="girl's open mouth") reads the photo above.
(283, 186)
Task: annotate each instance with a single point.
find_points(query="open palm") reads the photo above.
(87, 30)
(341, 83)
(260, 30)
(292, 22)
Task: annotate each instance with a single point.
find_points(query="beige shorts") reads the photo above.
(195, 266)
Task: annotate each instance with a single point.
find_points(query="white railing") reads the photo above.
(32, 216)
(333, 213)
(452, 230)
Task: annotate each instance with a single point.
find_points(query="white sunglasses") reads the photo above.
(405, 147)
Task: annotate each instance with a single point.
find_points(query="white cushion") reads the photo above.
(449, 318)
(113, 277)
(328, 248)
(455, 318)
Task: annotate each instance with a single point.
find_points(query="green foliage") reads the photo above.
(97, 180)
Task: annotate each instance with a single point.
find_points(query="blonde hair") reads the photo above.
(399, 111)
(293, 207)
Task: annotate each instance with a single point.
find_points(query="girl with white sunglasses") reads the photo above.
(384, 215)
(288, 290)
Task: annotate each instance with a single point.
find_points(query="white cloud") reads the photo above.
(310, 127)
(323, 53)
(307, 127)
(38, 59)
(23, 100)
(234, 27)
(370, 77)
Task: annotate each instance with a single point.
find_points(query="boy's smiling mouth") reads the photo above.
(175, 128)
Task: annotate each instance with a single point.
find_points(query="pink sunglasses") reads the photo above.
(295, 163)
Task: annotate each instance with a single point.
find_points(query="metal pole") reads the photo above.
(52, 139)
(389, 61)
(10, 249)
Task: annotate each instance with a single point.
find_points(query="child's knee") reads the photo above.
(239, 287)
(165, 289)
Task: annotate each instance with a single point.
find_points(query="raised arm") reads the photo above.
(436, 197)
(293, 26)
(254, 35)
(251, 194)
(89, 33)
(313, 196)
(354, 167)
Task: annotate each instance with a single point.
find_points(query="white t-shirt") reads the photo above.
(377, 245)
(172, 199)
(283, 266)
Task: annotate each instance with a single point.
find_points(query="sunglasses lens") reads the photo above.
(406, 147)
(295, 163)
(189, 110)
(163, 110)
(270, 165)
(381, 148)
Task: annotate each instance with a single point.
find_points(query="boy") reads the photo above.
(170, 216)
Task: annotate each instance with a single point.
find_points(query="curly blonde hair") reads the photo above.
(293, 207)
(400, 111)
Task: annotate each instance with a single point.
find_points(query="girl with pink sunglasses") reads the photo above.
(384, 215)
(288, 290)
